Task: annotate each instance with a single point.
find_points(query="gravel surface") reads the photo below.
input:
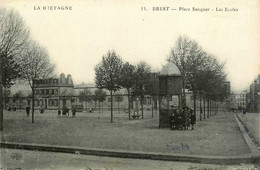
(216, 136)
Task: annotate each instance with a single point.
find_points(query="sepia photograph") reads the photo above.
(130, 85)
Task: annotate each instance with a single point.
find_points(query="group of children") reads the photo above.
(65, 112)
(182, 119)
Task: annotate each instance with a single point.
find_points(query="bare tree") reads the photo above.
(179, 56)
(34, 67)
(13, 39)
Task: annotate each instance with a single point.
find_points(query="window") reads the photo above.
(52, 91)
(36, 102)
(41, 102)
(149, 101)
(56, 102)
(51, 102)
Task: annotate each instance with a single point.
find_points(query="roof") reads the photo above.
(170, 69)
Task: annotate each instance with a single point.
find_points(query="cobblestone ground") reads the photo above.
(218, 135)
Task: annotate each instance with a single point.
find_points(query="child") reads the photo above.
(192, 119)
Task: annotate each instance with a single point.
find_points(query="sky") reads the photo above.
(77, 39)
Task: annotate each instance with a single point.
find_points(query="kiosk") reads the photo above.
(170, 90)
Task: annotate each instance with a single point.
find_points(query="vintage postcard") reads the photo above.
(91, 84)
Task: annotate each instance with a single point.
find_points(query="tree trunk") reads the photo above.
(183, 91)
(155, 102)
(99, 107)
(4, 100)
(33, 101)
(200, 107)
(118, 106)
(102, 107)
(142, 106)
(217, 107)
(208, 109)
(128, 96)
(204, 107)
(111, 107)
(152, 109)
(1, 95)
(194, 100)
(213, 108)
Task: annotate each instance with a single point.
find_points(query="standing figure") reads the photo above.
(73, 112)
(41, 110)
(192, 118)
(65, 111)
(179, 119)
(91, 110)
(244, 111)
(27, 110)
(59, 112)
(172, 122)
(185, 118)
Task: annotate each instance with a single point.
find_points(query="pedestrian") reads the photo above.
(244, 111)
(192, 118)
(73, 112)
(41, 110)
(59, 112)
(64, 111)
(91, 110)
(179, 119)
(27, 110)
(185, 118)
(172, 122)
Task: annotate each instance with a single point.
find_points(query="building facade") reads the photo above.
(58, 92)
(253, 96)
(52, 93)
(238, 100)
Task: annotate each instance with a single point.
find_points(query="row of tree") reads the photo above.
(20, 56)
(99, 96)
(202, 73)
(113, 74)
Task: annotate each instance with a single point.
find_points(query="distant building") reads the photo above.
(253, 96)
(51, 93)
(58, 92)
(238, 100)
